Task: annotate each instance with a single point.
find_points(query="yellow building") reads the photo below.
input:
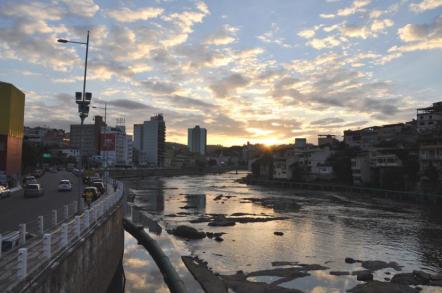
(12, 108)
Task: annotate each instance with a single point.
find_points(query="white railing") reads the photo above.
(53, 234)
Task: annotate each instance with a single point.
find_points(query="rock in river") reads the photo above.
(382, 287)
(278, 233)
(187, 232)
(364, 276)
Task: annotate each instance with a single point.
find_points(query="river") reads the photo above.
(321, 228)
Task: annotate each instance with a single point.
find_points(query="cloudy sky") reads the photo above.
(252, 70)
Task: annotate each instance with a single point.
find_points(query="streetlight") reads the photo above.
(83, 99)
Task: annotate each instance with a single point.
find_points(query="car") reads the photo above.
(38, 173)
(33, 190)
(4, 191)
(29, 180)
(91, 192)
(99, 185)
(76, 172)
(65, 185)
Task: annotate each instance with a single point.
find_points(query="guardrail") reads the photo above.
(52, 234)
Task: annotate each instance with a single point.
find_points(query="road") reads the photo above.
(17, 209)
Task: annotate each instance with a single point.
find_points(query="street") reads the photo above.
(17, 209)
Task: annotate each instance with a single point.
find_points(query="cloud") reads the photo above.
(356, 7)
(425, 5)
(372, 29)
(420, 37)
(84, 8)
(327, 42)
(229, 85)
(225, 36)
(271, 37)
(326, 121)
(160, 87)
(307, 34)
(128, 104)
(128, 15)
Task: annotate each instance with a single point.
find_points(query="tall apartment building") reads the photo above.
(12, 110)
(150, 141)
(197, 140)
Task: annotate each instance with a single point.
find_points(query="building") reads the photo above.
(44, 136)
(361, 171)
(116, 146)
(430, 156)
(300, 143)
(12, 109)
(197, 140)
(87, 137)
(150, 142)
(369, 137)
(430, 118)
(327, 139)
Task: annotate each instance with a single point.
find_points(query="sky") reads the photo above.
(264, 71)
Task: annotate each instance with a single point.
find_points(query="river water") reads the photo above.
(322, 228)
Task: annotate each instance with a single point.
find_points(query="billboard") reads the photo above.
(108, 141)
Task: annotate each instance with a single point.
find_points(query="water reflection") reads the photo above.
(323, 228)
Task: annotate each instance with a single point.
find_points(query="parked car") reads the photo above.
(4, 191)
(29, 180)
(76, 172)
(91, 192)
(38, 173)
(99, 185)
(33, 190)
(65, 185)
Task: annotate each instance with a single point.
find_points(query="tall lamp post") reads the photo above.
(83, 99)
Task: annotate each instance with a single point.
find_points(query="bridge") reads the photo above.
(73, 249)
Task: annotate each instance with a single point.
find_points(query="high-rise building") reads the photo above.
(150, 141)
(197, 140)
(12, 110)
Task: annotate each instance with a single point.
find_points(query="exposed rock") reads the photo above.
(218, 197)
(221, 223)
(283, 263)
(364, 276)
(202, 219)
(417, 278)
(382, 287)
(278, 233)
(208, 280)
(339, 273)
(187, 207)
(187, 232)
(387, 279)
(240, 284)
(351, 260)
(219, 239)
(241, 214)
(214, 234)
(374, 265)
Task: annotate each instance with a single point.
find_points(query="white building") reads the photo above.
(116, 146)
(361, 171)
(150, 141)
(197, 140)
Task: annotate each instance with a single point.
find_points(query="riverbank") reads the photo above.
(347, 190)
(167, 172)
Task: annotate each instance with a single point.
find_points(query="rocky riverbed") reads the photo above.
(268, 240)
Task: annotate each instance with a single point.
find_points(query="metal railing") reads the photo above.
(45, 238)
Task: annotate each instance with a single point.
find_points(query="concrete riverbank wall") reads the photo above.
(348, 190)
(146, 172)
(89, 266)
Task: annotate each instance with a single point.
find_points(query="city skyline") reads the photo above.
(253, 71)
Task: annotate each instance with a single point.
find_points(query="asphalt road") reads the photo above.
(17, 209)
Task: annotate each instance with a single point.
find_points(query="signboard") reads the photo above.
(108, 141)
(47, 155)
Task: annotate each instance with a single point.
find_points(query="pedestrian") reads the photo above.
(115, 186)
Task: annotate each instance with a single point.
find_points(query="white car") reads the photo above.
(65, 185)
